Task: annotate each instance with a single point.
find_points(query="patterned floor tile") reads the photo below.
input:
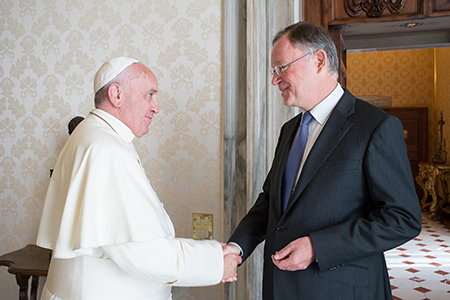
(420, 269)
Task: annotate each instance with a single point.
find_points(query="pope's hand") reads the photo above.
(231, 259)
(230, 263)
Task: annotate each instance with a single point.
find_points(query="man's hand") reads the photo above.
(297, 255)
(230, 248)
(231, 259)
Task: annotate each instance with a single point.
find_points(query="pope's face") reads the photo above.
(140, 103)
(294, 84)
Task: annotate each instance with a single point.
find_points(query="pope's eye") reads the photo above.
(151, 94)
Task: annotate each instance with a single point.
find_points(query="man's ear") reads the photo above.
(115, 94)
(321, 60)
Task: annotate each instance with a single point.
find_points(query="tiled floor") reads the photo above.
(420, 269)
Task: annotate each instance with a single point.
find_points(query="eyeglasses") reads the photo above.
(280, 70)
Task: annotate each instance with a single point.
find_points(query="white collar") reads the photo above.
(321, 111)
(118, 126)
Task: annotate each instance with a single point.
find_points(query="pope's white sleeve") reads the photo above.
(204, 263)
(181, 262)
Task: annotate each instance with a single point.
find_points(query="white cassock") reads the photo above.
(110, 235)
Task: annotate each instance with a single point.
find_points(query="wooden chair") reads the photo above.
(30, 261)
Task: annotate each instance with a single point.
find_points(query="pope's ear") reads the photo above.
(115, 94)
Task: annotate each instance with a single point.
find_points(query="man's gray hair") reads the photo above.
(310, 37)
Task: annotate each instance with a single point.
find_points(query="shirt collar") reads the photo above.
(118, 126)
(321, 111)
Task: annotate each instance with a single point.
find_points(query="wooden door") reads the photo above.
(415, 123)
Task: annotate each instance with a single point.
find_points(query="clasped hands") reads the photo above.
(297, 255)
(231, 259)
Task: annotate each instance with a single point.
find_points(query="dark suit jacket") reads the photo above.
(355, 199)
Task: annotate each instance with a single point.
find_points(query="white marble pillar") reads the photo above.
(253, 115)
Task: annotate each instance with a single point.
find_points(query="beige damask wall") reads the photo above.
(49, 52)
(412, 78)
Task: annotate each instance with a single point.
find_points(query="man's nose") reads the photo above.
(276, 79)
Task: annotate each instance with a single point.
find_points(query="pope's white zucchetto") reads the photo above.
(110, 69)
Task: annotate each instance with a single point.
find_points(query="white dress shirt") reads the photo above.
(321, 112)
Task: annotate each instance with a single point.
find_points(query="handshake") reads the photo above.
(231, 259)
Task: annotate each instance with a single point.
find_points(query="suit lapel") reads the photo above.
(333, 132)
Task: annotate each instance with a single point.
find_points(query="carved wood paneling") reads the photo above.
(315, 11)
(341, 12)
(363, 11)
(373, 8)
(437, 8)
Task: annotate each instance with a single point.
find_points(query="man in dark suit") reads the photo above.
(352, 196)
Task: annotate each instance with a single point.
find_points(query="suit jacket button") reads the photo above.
(280, 228)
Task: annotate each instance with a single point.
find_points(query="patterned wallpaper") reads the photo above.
(49, 52)
(408, 77)
(405, 76)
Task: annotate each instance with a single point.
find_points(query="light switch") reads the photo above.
(202, 226)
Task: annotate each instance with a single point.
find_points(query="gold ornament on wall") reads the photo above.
(373, 8)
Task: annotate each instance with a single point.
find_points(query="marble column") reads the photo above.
(253, 115)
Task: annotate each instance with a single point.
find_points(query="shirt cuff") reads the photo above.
(242, 252)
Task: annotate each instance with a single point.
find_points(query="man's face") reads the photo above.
(294, 84)
(140, 104)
